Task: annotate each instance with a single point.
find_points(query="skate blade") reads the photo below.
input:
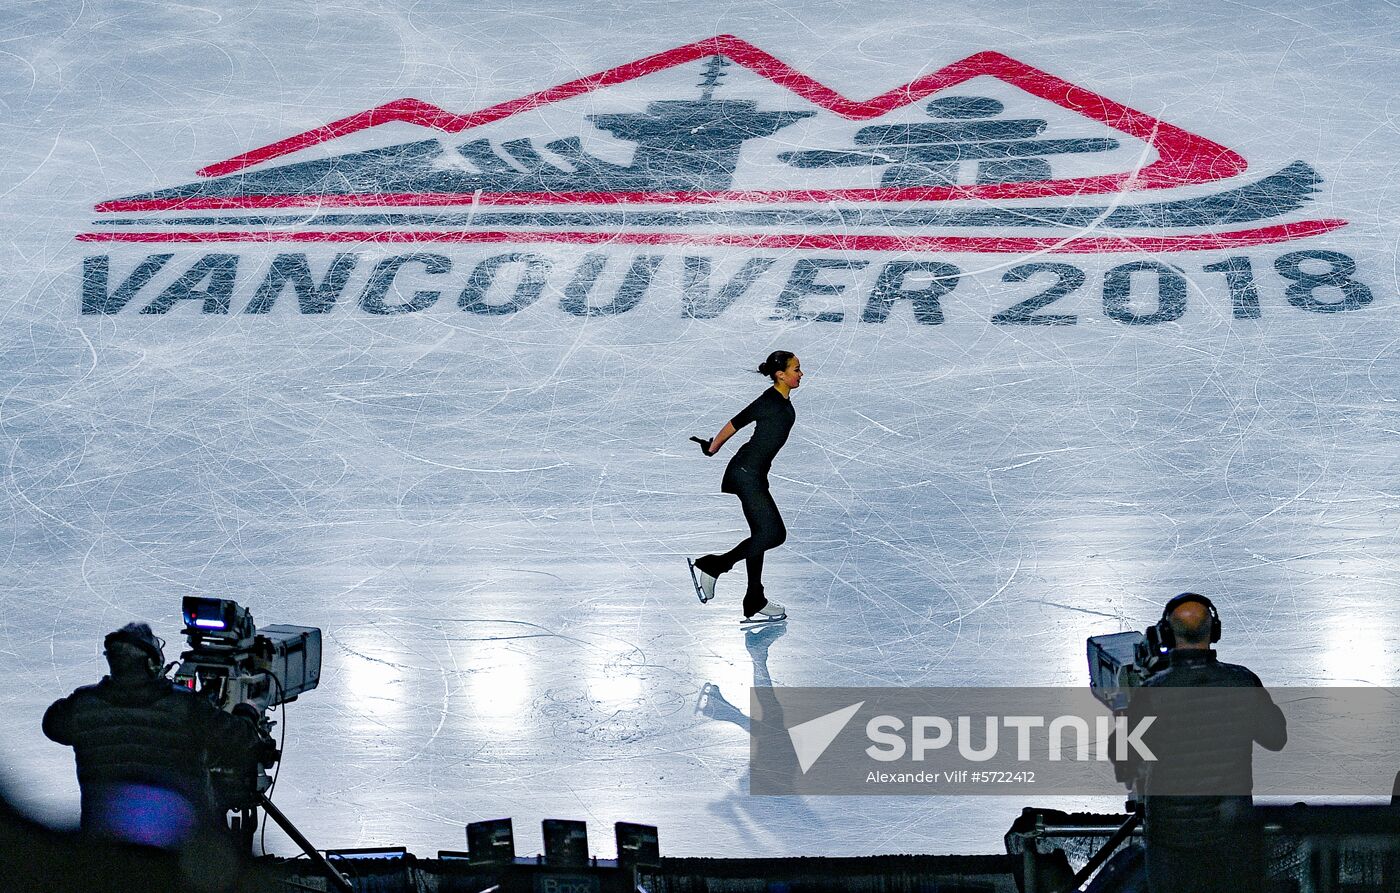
(695, 581)
(759, 620)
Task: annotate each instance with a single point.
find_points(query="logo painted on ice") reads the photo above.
(741, 149)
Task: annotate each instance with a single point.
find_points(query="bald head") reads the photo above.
(1191, 625)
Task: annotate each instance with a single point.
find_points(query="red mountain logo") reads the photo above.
(727, 158)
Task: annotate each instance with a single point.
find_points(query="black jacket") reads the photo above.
(148, 731)
(1203, 740)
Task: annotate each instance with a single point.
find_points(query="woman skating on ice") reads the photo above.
(746, 477)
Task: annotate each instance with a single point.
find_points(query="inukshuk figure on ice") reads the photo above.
(966, 131)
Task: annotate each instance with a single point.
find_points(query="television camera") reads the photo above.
(1118, 664)
(232, 662)
(1121, 662)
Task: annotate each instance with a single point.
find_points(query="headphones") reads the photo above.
(1164, 626)
(136, 634)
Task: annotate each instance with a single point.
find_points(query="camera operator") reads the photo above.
(1199, 826)
(143, 745)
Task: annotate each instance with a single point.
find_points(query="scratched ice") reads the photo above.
(485, 499)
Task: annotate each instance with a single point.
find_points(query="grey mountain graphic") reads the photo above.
(680, 145)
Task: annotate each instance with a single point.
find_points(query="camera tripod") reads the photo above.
(245, 825)
(1099, 858)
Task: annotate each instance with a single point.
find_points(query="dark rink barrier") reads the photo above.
(1311, 849)
(403, 873)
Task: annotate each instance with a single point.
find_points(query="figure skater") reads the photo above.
(746, 477)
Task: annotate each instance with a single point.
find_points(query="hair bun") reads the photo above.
(777, 361)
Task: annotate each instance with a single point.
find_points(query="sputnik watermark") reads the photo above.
(932, 733)
(811, 739)
(1064, 742)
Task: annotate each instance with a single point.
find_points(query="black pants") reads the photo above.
(1203, 844)
(766, 531)
(1233, 864)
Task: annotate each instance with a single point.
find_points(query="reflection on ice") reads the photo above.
(370, 677)
(1356, 649)
(498, 687)
(612, 686)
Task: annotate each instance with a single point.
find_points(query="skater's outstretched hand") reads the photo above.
(704, 446)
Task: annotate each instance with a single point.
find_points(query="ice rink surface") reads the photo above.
(488, 513)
